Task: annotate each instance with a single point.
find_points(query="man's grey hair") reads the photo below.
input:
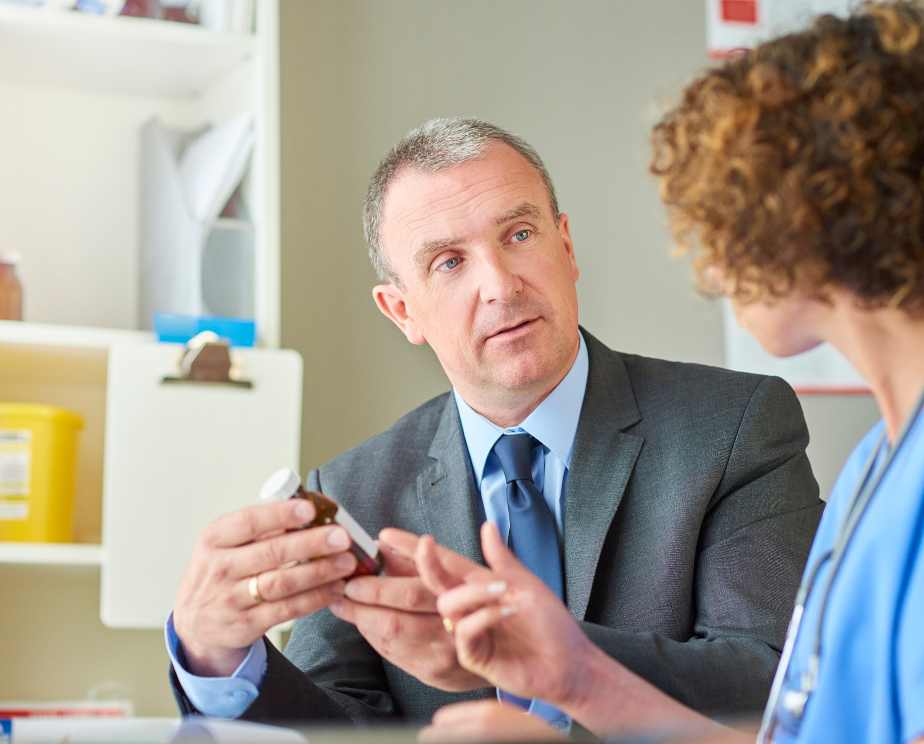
(435, 145)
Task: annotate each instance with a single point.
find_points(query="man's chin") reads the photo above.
(782, 347)
(525, 374)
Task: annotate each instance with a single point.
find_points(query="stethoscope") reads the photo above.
(794, 701)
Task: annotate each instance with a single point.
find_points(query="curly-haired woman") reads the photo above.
(794, 176)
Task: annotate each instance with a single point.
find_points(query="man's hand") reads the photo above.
(293, 571)
(487, 720)
(397, 615)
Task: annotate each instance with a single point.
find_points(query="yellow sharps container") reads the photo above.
(38, 462)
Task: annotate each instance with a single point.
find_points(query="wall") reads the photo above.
(583, 82)
(60, 608)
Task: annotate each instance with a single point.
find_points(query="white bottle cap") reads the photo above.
(280, 486)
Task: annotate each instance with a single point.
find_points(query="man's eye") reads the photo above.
(520, 235)
(449, 264)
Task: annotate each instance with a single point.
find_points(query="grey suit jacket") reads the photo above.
(689, 511)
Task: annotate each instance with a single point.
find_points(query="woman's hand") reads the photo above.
(509, 628)
(487, 720)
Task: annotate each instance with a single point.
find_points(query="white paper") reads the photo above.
(213, 165)
(147, 731)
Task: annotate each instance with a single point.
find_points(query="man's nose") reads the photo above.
(498, 279)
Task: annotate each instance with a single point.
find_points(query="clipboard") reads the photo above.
(177, 456)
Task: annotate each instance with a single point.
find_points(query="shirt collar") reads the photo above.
(554, 422)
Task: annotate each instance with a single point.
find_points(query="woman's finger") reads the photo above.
(430, 567)
(471, 629)
(467, 598)
(498, 556)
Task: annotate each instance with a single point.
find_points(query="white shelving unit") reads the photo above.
(46, 554)
(66, 366)
(116, 55)
(14, 333)
(75, 90)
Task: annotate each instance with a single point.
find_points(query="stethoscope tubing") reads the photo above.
(859, 502)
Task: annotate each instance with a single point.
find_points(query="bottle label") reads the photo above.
(15, 473)
(369, 546)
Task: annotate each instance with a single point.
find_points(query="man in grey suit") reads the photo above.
(672, 504)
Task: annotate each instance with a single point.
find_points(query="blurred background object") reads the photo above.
(141, 8)
(38, 461)
(10, 287)
(192, 261)
(180, 11)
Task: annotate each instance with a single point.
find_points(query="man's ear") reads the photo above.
(565, 232)
(390, 301)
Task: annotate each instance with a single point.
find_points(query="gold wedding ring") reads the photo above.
(253, 589)
(449, 625)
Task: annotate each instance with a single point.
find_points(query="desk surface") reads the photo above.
(74, 730)
(214, 731)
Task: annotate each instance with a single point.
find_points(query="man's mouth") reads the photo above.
(511, 329)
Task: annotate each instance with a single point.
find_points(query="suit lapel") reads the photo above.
(446, 490)
(601, 465)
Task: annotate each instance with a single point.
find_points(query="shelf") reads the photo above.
(119, 55)
(38, 334)
(50, 554)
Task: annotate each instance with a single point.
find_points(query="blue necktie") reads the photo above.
(533, 533)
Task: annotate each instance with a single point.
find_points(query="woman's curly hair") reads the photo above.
(800, 165)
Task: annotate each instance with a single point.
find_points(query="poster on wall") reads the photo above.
(734, 26)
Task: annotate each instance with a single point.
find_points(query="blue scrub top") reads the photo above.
(870, 685)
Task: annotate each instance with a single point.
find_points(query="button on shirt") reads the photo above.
(554, 423)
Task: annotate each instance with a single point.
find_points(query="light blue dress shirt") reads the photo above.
(870, 684)
(554, 423)
(219, 697)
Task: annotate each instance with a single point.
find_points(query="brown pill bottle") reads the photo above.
(285, 484)
(10, 288)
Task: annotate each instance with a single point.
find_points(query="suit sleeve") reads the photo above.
(754, 540)
(328, 673)
(286, 695)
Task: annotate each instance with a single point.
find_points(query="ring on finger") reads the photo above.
(449, 625)
(253, 589)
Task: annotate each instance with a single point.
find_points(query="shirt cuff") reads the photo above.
(219, 697)
(549, 713)
(552, 715)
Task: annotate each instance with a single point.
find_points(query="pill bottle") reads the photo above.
(10, 288)
(285, 484)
